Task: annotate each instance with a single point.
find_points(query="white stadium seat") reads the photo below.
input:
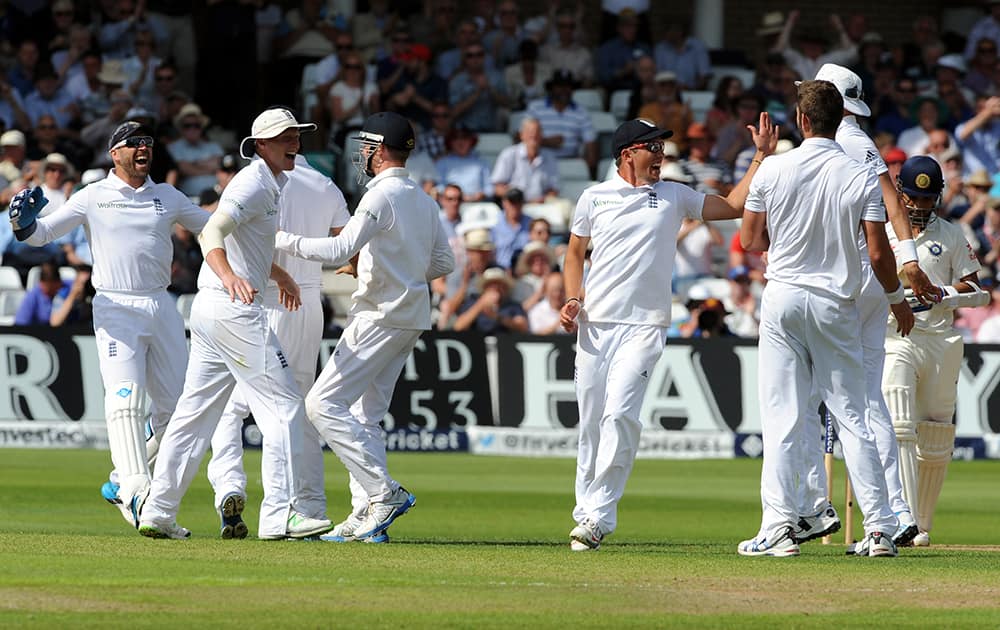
(700, 101)
(478, 214)
(556, 212)
(9, 278)
(619, 103)
(589, 99)
(573, 189)
(10, 300)
(573, 169)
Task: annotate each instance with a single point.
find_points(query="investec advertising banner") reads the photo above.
(457, 392)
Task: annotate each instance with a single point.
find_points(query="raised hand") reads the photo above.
(25, 207)
(765, 135)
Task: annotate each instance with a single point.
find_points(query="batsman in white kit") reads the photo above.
(128, 220)
(920, 381)
(401, 247)
(232, 343)
(623, 313)
(311, 205)
(804, 208)
(819, 518)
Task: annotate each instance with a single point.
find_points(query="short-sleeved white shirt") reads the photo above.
(252, 200)
(858, 146)
(128, 230)
(311, 204)
(634, 233)
(946, 257)
(815, 197)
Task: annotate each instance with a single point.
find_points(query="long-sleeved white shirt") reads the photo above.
(128, 230)
(402, 247)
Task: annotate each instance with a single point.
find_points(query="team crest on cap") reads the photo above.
(922, 180)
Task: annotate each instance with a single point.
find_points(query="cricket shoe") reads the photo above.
(922, 539)
(782, 546)
(110, 493)
(906, 531)
(174, 531)
(823, 523)
(381, 514)
(231, 512)
(301, 526)
(875, 545)
(586, 536)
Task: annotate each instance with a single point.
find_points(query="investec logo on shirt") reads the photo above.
(118, 205)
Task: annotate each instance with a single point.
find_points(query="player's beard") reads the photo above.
(133, 169)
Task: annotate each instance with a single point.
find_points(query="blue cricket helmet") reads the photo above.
(921, 177)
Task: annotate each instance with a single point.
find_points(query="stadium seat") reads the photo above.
(619, 103)
(716, 287)
(746, 76)
(556, 212)
(573, 189)
(338, 288)
(184, 302)
(10, 300)
(479, 214)
(572, 169)
(589, 99)
(490, 145)
(514, 122)
(606, 168)
(700, 101)
(66, 273)
(604, 124)
(307, 91)
(9, 278)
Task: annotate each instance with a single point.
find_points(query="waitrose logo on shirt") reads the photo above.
(119, 205)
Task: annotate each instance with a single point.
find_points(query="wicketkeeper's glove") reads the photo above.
(24, 210)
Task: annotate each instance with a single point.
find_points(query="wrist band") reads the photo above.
(574, 299)
(758, 161)
(906, 252)
(897, 296)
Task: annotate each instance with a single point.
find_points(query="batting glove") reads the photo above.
(916, 305)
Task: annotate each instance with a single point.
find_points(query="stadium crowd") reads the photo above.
(513, 115)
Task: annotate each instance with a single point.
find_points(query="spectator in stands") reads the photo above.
(643, 86)
(710, 176)
(616, 57)
(894, 158)
(92, 96)
(915, 139)
(812, 54)
(56, 180)
(12, 112)
(432, 140)
(954, 186)
(122, 21)
(420, 88)
(510, 234)
(982, 67)
(723, 110)
(684, 55)
(176, 19)
(50, 99)
(305, 35)
(462, 166)
(567, 53)
(59, 35)
(959, 110)
(186, 262)
(435, 25)
(21, 75)
(46, 139)
(390, 69)
(871, 46)
(12, 162)
(567, 126)
(197, 158)
(372, 29)
(989, 234)
(77, 306)
(987, 28)
(450, 201)
(986, 329)
(744, 321)
(449, 63)
(534, 263)
(140, 69)
(897, 114)
(36, 306)
(492, 311)
(695, 242)
(68, 60)
(479, 257)
(476, 93)
(707, 318)
(504, 41)
(543, 317)
(753, 261)
(669, 111)
(979, 137)
(976, 190)
(525, 80)
(527, 166)
(540, 231)
(96, 134)
(352, 98)
(923, 40)
(330, 68)
(733, 137)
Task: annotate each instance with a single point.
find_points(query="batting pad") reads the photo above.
(898, 401)
(125, 407)
(935, 443)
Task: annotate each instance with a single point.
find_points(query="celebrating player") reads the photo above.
(921, 370)
(232, 344)
(632, 220)
(402, 247)
(139, 332)
(804, 208)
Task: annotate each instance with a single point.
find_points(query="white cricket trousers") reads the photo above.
(300, 334)
(873, 309)
(613, 364)
(362, 372)
(925, 367)
(231, 344)
(811, 339)
(140, 337)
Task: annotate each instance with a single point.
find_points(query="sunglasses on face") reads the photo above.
(854, 92)
(653, 147)
(191, 125)
(474, 54)
(135, 142)
(165, 77)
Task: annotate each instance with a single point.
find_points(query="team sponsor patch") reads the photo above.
(158, 206)
(935, 249)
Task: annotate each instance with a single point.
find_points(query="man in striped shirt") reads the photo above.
(567, 127)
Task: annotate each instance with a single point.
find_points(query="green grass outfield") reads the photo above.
(484, 547)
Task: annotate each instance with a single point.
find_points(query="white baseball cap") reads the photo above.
(849, 85)
(269, 124)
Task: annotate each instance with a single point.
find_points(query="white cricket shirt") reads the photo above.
(128, 230)
(251, 200)
(815, 197)
(634, 232)
(946, 257)
(402, 247)
(311, 204)
(858, 146)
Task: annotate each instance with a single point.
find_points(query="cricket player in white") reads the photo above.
(921, 370)
(128, 220)
(402, 248)
(804, 208)
(231, 343)
(873, 310)
(311, 205)
(623, 313)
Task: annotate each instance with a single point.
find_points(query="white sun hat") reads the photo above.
(849, 86)
(269, 124)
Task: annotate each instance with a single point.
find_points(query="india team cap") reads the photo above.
(634, 131)
(127, 130)
(921, 177)
(390, 129)
(849, 86)
(269, 124)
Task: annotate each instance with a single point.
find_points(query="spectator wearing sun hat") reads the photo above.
(492, 311)
(710, 176)
(534, 263)
(197, 158)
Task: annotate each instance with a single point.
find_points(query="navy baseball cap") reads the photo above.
(390, 129)
(921, 177)
(634, 131)
(127, 130)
